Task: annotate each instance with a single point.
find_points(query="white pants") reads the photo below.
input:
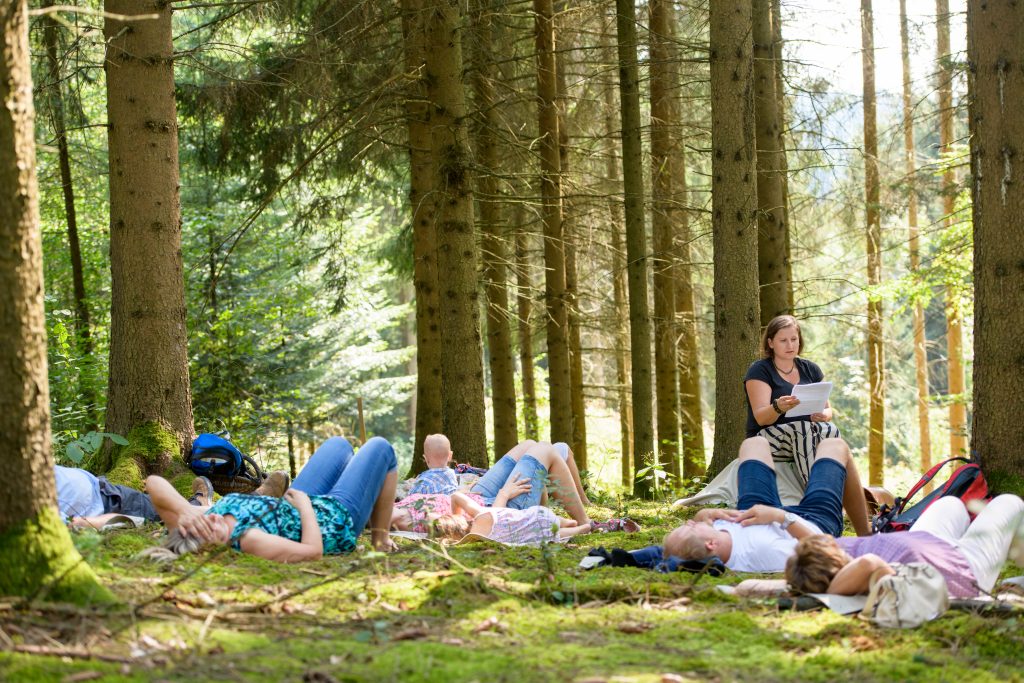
(985, 543)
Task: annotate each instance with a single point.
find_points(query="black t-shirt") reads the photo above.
(764, 371)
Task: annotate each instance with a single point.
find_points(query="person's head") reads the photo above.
(782, 337)
(815, 563)
(437, 451)
(451, 527)
(176, 544)
(692, 541)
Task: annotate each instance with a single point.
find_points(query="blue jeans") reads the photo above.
(528, 468)
(354, 480)
(821, 505)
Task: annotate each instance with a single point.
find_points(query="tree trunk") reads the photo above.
(665, 138)
(292, 469)
(995, 32)
(621, 315)
(920, 356)
(559, 376)
(636, 242)
(524, 306)
(780, 95)
(954, 316)
(37, 558)
(499, 332)
(424, 238)
(771, 199)
(876, 357)
(149, 397)
(734, 216)
(462, 377)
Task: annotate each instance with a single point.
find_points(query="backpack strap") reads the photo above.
(928, 476)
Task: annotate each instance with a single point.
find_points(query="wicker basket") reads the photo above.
(247, 480)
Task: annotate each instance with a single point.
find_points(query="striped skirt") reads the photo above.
(797, 442)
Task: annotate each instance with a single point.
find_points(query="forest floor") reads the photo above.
(469, 613)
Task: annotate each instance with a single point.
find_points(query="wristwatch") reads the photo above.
(788, 519)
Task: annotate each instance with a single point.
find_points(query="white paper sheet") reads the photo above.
(813, 398)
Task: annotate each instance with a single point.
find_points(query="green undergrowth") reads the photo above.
(473, 613)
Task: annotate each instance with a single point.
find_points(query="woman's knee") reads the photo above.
(756, 448)
(379, 447)
(834, 448)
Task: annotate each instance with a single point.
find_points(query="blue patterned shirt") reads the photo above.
(278, 517)
(437, 480)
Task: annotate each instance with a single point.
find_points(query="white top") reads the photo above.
(78, 492)
(760, 547)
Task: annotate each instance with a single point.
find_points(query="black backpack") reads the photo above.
(967, 483)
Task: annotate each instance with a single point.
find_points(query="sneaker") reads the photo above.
(202, 492)
(274, 485)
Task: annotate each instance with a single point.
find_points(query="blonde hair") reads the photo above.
(683, 543)
(814, 564)
(452, 527)
(780, 322)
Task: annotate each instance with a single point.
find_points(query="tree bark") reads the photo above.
(559, 377)
(876, 356)
(995, 32)
(771, 199)
(494, 256)
(149, 383)
(636, 243)
(734, 216)
(665, 138)
(954, 316)
(780, 94)
(920, 356)
(524, 309)
(37, 557)
(462, 377)
(424, 237)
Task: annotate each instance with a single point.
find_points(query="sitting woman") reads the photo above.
(769, 385)
(324, 512)
(968, 555)
(515, 515)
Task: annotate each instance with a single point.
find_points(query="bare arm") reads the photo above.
(760, 396)
(766, 514)
(261, 544)
(512, 489)
(853, 579)
(460, 501)
(714, 514)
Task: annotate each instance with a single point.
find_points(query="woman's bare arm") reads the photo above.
(853, 579)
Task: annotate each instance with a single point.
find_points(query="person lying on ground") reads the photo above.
(324, 512)
(762, 534)
(439, 478)
(86, 500)
(968, 555)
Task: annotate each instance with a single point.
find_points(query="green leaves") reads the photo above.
(89, 444)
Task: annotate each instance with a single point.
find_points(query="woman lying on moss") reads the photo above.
(324, 512)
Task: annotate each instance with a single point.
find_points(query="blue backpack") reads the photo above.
(224, 465)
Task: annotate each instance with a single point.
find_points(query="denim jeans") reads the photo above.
(822, 504)
(528, 468)
(354, 480)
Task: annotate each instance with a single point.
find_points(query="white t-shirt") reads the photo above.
(78, 492)
(760, 547)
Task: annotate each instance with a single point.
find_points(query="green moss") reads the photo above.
(1004, 482)
(149, 444)
(37, 559)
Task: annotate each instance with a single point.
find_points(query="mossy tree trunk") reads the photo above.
(494, 251)
(424, 238)
(733, 220)
(872, 217)
(37, 558)
(780, 94)
(462, 376)
(910, 165)
(636, 242)
(995, 32)
(149, 383)
(665, 137)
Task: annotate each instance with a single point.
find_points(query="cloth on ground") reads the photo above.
(652, 557)
(723, 488)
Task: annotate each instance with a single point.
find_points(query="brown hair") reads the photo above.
(449, 526)
(779, 322)
(815, 563)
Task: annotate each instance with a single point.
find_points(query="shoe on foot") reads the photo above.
(274, 485)
(202, 492)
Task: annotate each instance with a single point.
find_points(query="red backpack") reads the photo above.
(967, 484)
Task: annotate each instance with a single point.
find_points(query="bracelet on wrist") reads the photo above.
(775, 406)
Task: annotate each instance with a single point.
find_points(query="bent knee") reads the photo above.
(756, 448)
(834, 448)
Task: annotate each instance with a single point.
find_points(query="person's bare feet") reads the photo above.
(276, 483)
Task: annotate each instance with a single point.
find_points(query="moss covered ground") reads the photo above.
(467, 613)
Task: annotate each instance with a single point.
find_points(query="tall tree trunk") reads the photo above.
(920, 356)
(499, 332)
(462, 376)
(780, 95)
(665, 138)
(621, 325)
(733, 216)
(524, 309)
(771, 200)
(954, 316)
(292, 469)
(424, 237)
(876, 356)
(559, 376)
(636, 242)
(37, 558)
(149, 393)
(995, 32)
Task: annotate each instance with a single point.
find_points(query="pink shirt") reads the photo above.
(532, 526)
(423, 507)
(904, 547)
